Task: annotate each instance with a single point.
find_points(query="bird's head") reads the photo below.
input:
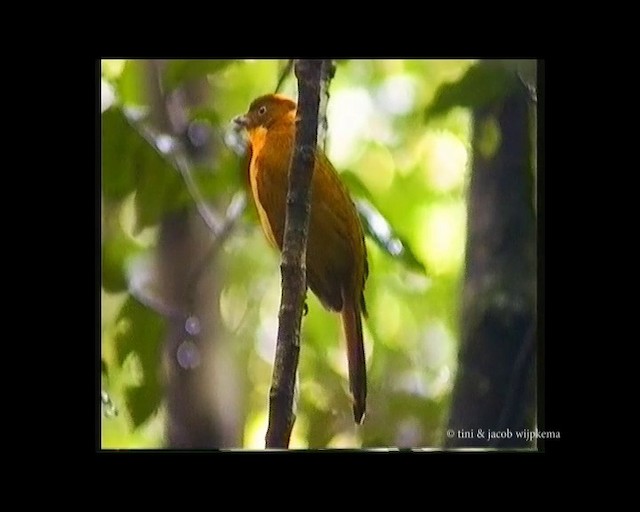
(265, 111)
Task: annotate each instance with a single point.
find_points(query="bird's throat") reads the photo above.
(258, 138)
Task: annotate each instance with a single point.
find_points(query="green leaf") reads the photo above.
(482, 84)
(118, 143)
(131, 163)
(131, 85)
(142, 331)
(225, 178)
(355, 185)
(385, 236)
(377, 226)
(160, 190)
(179, 71)
(142, 402)
(118, 248)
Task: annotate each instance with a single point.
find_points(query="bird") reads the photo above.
(336, 259)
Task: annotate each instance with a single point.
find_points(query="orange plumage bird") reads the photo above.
(337, 265)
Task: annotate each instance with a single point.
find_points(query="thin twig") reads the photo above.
(234, 212)
(328, 72)
(139, 282)
(209, 219)
(171, 148)
(283, 75)
(293, 268)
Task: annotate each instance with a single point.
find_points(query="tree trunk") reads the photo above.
(202, 391)
(494, 390)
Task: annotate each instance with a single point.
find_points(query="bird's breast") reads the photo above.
(268, 177)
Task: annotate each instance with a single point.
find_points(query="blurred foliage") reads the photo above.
(410, 174)
(482, 84)
(158, 187)
(180, 71)
(140, 333)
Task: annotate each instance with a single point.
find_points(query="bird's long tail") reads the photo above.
(352, 324)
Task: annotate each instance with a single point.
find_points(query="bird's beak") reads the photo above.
(241, 121)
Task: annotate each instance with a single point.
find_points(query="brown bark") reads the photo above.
(495, 385)
(294, 286)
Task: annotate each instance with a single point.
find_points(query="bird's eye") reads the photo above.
(262, 110)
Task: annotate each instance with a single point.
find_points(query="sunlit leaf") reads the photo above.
(482, 84)
(383, 234)
(142, 332)
(117, 250)
(355, 185)
(378, 227)
(131, 85)
(179, 71)
(112, 68)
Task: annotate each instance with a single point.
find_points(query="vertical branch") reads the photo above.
(294, 249)
(328, 72)
(199, 387)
